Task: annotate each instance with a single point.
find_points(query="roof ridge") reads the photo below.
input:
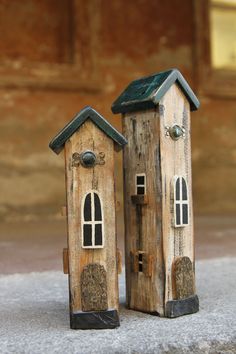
(57, 143)
(146, 92)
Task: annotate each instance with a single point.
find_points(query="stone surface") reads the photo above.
(94, 288)
(95, 320)
(176, 308)
(35, 318)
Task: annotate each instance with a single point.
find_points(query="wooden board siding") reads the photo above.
(79, 181)
(141, 155)
(176, 160)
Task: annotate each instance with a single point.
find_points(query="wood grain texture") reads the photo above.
(148, 264)
(80, 180)
(119, 261)
(58, 142)
(94, 288)
(143, 222)
(65, 261)
(63, 211)
(139, 199)
(150, 228)
(175, 160)
(183, 278)
(133, 261)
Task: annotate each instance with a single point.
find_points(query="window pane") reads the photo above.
(87, 208)
(140, 257)
(140, 190)
(185, 214)
(177, 210)
(140, 180)
(97, 207)
(184, 190)
(223, 34)
(177, 189)
(140, 267)
(98, 235)
(87, 235)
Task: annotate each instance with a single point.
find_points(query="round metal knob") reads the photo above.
(88, 159)
(176, 132)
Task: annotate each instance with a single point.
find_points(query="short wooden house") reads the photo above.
(91, 258)
(159, 238)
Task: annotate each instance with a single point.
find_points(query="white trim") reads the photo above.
(140, 185)
(180, 202)
(92, 222)
(140, 262)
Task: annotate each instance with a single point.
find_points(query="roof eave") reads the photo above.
(177, 77)
(58, 142)
(133, 106)
(156, 96)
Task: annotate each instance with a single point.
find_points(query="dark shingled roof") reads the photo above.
(58, 142)
(146, 92)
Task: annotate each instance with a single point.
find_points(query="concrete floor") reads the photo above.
(35, 318)
(34, 306)
(37, 245)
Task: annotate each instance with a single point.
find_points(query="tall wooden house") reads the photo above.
(90, 260)
(159, 238)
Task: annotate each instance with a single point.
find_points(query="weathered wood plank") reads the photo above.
(133, 262)
(139, 199)
(65, 261)
(148, 264)
(79, 181)
(176, 161)
(64, 211)
(119, 261)
(143, 221)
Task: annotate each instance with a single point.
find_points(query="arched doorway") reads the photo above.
(183, 278)
(94, 288)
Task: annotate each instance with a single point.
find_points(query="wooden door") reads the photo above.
(183, 278)
(94, 288)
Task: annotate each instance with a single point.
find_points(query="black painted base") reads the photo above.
(176, 308)
(95, 320)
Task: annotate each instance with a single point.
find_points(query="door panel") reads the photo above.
(94, 288)
(183, 278)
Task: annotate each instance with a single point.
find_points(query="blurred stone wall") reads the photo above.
(58, 56)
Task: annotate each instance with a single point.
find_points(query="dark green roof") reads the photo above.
(146, 92)
(58, 142)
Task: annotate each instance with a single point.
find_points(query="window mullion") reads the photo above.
(175, 201)
(93, 219)
(181, 200)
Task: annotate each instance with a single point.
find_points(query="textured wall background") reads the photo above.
(58, 56)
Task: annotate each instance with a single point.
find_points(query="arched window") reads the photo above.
(92, 221)
(181, 202)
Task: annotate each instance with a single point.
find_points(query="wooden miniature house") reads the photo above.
(91, 258)
(159, 238)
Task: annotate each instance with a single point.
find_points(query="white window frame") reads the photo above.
(92, 222)
(180, 202)
(140, 262)
(140, 185)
